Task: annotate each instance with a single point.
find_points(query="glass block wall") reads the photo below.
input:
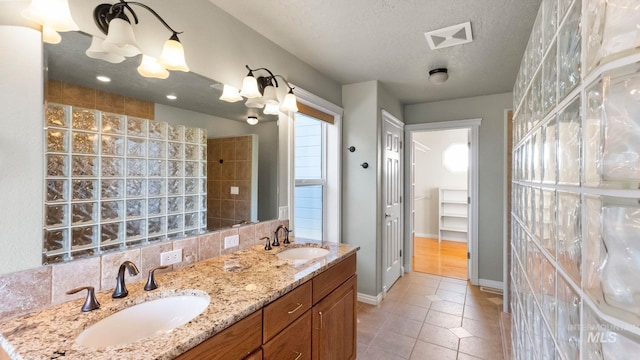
(113, 182)
(575, 264)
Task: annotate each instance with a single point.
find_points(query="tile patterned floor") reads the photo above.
(426, 317)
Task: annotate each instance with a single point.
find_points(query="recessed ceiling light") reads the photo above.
(171, 97)
(103, 78)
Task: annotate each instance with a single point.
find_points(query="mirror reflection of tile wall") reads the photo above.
(113, 182)
(576, 173)
(75, 95)
(230, 171)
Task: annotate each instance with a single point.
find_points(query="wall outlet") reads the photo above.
(235, 190)
(171, 257)
(231, 241)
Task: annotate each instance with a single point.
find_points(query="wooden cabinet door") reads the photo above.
(293, 343)
(334, 324)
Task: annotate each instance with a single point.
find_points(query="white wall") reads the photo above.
(492, 175)
(431, 174)
(21, 152)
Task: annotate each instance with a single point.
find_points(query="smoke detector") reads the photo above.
(449, 36)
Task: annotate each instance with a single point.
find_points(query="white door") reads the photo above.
(392, 138)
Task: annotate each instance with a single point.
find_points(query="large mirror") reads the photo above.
(196, 105)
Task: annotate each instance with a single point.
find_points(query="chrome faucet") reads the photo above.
(276, 242)
(121, 290)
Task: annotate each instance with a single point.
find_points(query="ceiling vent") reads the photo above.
(449, 36)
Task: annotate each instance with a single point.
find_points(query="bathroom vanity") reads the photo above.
(261, 307)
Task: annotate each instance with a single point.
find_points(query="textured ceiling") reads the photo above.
(360, 40)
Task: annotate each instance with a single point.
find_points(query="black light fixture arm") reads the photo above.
(264, 81)
(104, 13)
(286, 82)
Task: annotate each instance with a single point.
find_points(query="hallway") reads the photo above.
(426, 317)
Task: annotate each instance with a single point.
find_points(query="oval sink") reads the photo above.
(143, 320)
(302, 253)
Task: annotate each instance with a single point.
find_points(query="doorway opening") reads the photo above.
(442, 194)
(440, 173)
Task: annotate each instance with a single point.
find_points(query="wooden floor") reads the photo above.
(447, 258)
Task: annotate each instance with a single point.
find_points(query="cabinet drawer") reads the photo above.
(256, 355)
(294, 343)
(327, 281)
(236, 342)
(282, 312)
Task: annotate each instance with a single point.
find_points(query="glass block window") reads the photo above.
(113, 182)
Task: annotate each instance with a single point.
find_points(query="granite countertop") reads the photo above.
(238, 285)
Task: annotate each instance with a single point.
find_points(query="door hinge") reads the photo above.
(468, 255)
(400, 253)
(469, 200)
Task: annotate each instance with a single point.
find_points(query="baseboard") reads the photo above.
(428, 236)
(498, 285)
(456, 240)
(368, 299)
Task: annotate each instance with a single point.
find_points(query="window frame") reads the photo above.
(322, 181)
(333, 162)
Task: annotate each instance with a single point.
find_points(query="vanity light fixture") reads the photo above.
(53, 15)
(114, 22)
(261, 93)
(252, 120)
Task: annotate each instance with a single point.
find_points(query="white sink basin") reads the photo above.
(302, 254)
(144, 320)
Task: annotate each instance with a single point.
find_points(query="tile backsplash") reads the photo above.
(30, 290)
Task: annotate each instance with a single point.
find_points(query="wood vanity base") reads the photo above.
(315, 321)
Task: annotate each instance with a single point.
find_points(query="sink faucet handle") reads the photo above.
(90, 302)
(268, 246)
(286, 235)
(151, 280)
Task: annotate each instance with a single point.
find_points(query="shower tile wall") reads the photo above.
(230, 165)
(575, 255)
(113, 182)
(75, 95)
